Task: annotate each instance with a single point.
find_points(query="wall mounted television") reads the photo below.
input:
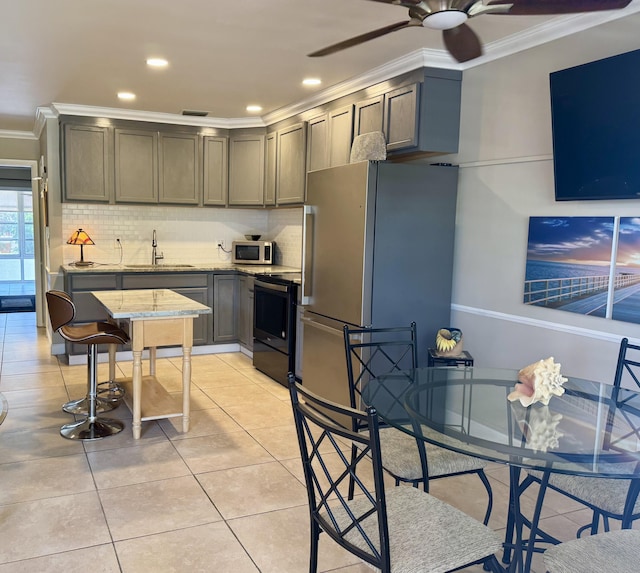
(595, 112)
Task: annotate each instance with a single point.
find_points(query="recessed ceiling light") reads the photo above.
(126, 95)
(157, 62)
(312, 81)
(254, 108)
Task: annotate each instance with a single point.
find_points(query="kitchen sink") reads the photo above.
(145, 266)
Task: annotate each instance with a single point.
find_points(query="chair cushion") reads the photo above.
(425, 534)
(614, 551)
(400, 457)
(602, 493)
(94, 333)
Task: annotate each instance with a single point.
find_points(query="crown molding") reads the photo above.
(15, 134)
(535, 36)
(155, 117)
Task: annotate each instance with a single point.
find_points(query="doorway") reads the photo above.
(19, 232)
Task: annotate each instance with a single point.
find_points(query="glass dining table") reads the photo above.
(593, 429)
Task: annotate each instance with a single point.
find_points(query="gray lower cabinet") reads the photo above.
(245, 311)
(246, 170)
(216, 170)
(291, 173)
(196, 286)
(225, 288)
(87, 163)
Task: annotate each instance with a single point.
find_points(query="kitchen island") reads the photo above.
(157, 317)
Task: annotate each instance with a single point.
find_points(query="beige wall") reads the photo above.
(506, 176)
(19, 148)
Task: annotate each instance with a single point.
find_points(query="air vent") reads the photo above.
(195, 112)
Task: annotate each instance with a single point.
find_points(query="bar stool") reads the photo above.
(61, 312)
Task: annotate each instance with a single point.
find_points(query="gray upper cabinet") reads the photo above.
(178, 180)
(318, 143)
(246, 170)
(87, 163)
(340, 135)
(136, 166)
(291, 174)
(369, 115)
(271, 155)
(215, 175)
(401, 117)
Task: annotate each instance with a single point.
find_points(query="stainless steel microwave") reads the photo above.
(253, 252)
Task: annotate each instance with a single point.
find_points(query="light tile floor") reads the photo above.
(226, 497)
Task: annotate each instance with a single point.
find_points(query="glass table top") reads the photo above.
(586, 431)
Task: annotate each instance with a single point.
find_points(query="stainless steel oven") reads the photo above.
(274, 327)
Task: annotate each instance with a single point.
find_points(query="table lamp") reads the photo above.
(81, 238)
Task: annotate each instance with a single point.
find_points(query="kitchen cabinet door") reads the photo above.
(216, 172)
(245, 311)
(224, 308)
(136, 166)
(87, 165)
(291, 174)
(318, 143)
(340, 135)
(369, 115)
(270, 168)
(246, 170)
(401, 117)
(178, 164)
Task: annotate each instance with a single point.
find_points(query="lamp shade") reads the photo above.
(81, 238)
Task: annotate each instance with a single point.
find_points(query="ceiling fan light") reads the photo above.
(445, 19)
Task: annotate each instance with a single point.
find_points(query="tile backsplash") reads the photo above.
(184, 234)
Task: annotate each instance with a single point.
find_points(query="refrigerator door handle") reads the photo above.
(310, 322)
(307, 254)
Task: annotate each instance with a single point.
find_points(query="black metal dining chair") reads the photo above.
(613, 551)
(404, 530)
(607, 498)
(373, 352)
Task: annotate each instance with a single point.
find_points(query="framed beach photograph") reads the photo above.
(569, 263)
(626, 295)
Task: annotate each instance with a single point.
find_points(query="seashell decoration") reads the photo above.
(538, 382)
(449, 342)
(539, 427)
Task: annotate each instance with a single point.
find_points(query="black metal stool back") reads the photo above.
(61, 312)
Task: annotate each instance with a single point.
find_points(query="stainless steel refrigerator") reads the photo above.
(377, 251)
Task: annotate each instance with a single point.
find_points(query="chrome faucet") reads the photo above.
(154, 256)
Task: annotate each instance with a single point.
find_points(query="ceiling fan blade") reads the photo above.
(361, 39)
(548, 7)
(462, 43)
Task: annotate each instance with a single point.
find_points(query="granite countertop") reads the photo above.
(149, 303)
(254, 270)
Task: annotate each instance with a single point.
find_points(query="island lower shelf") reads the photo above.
(155, 402)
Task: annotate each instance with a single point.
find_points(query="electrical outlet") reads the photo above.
(220, 243)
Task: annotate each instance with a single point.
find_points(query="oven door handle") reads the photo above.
(270, 286)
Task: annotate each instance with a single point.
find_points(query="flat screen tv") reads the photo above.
(595, 112)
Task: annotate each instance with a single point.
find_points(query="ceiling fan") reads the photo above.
(450, 16)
